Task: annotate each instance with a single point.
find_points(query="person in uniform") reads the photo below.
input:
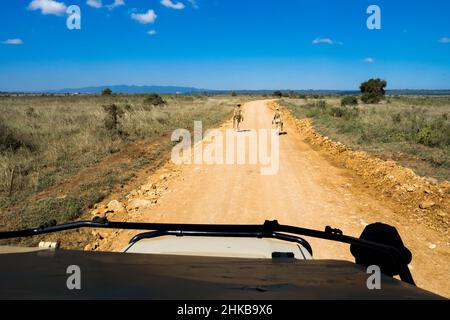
(237, 117)
(278, 120)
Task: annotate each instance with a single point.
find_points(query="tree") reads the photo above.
(106, 92)
(349, 101)
(233, 94)
(278, 94)
(373, 90)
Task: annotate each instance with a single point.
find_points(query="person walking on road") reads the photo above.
(278, 120)
(237, 117)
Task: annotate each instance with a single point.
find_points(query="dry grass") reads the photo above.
(48, 139)
(414, 131)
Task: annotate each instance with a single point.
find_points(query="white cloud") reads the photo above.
(115, 4)
(48, 7)
(326, 41)
(13, 41)
(145, 18)
(98, 4)
(444, 40)
(193, 3)
(173, 5)
(369, 60)
(94, 3)
(151, 32)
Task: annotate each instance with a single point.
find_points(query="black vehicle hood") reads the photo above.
(42, 275)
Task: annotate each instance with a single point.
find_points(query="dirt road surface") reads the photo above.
(307, 191)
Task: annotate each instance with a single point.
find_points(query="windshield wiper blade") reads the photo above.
(268, 226)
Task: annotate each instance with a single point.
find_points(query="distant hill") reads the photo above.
(131, 89)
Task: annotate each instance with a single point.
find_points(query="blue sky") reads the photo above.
(224, 44)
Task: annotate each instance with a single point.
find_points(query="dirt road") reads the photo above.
(307, 191)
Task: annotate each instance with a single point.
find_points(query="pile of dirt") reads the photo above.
(425, 198)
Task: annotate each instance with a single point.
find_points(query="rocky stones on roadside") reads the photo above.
(427, 204)
(442, 214)
(140, 204)
(430, 180)
(101, 234)
(148, 187)
(115, 206)
(100, 210)
(97, 235)
(91, 247)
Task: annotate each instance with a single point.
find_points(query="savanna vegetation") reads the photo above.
(45, 140)
(413, 130)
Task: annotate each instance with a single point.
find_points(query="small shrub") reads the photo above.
(277, 94)
(13, 140)
(112, 117)
(321, 104)
(428, 136)
(349, 101)
(154, 100)
(396, 118)
(337, 112)
(346, 113)
(106, 92)
(30, 112)
(438, 159)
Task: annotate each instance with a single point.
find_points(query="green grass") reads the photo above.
(414, 131)
(47, 139)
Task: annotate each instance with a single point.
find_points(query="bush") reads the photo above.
(30, 112)
(434, 133)
(428, 136)
(277, 94)
(106, 92)
(396, 118)
(154, 100)
(349, 101)
(113, 114)
(337, 112)
(321, 104)
(346, 113)
(13, 140)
